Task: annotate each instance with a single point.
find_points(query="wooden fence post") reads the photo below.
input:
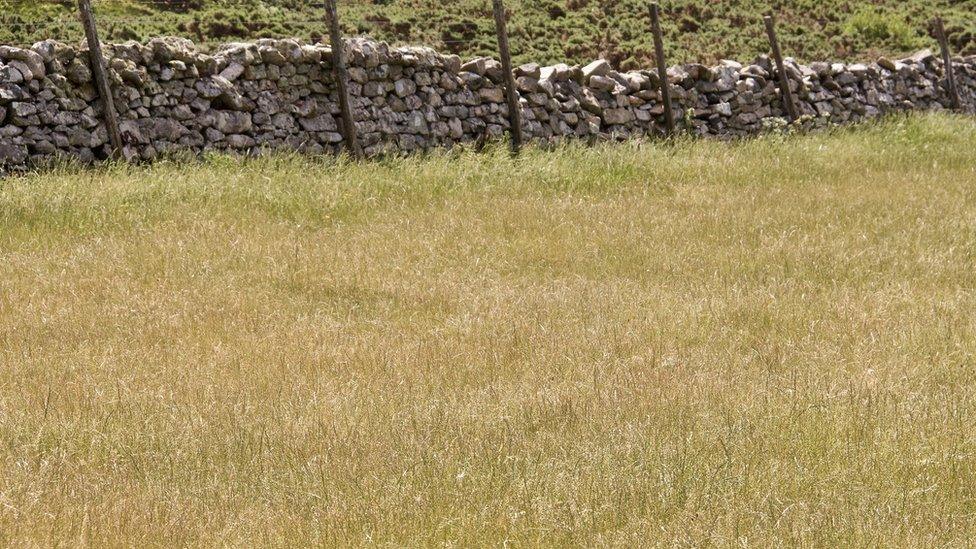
(349, 133)
(100, 73)
(784, 81)
(662, 67)
(940, 35)
(514, 109)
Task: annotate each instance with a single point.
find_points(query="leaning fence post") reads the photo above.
(342, 80)
(662, 67)
(784, 81)
(514, 109)
(99, 72)
(940, 35)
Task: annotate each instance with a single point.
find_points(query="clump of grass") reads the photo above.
(872, 28)
(760, 343)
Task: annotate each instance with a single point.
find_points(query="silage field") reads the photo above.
(763, 343)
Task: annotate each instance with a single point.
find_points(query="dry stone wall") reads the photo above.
(280, 95)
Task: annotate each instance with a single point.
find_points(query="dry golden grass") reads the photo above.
(764, 343)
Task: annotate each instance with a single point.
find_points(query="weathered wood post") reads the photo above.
(511, 95)
(940, 35)
(100, 73)
(662, 67)
(784, 81)
(349, 134)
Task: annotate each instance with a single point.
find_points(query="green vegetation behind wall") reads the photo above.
(545, 31)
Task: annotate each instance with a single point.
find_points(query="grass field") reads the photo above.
(764, 343)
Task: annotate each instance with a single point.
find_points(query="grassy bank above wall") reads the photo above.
(546, 31)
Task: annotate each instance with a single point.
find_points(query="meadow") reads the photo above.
(761, 343)
(542, 31)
